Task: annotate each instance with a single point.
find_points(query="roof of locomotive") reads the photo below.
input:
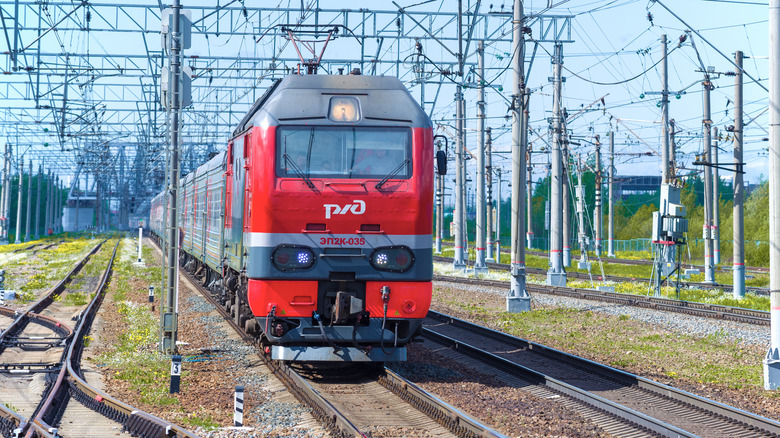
(296, 99)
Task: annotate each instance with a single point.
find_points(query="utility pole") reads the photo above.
(78, 201)
(439, 204)
(665, 176)
(669, 222)
(29, 205)
(530, 193)
(19, 193)
(716, 197)
(498, 218)
(583, 237)
(459, 261)
(518, 299)
(463, 194)
(4, 199)
(597, 220)
(709, 272)
(49, 191)
(57, 206)
(611, 226)
(489, 197)
(169, 323)
(566, 214)
(38, 204)
(479, 261)
(772, 359)
(672, 151)
(556, 275)
(739, 226)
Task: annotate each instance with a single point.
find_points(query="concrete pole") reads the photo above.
(29, 204)
(611, 225)
(57, 206)
(518, 299)
(580, 191)
(716, 197)
(498, 217)
(489, 197)
(597, 223)
(479, 260)
(666, 252)
(169, 322)
(459, 261)
(7, 212)
(529, 196)
(566, 214)
(709, 274)
(439, 205)
(4, 196)
(772, 359)
(739, 191)
(78, 201)
(464, 192)
(665, 176)
(37, 228)
(19, 194)
(672, 151)
(556, 275)
(49, 190)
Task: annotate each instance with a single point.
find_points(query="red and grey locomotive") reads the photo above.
(314, 227)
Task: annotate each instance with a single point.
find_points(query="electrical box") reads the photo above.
(656, 235)
(676, 210)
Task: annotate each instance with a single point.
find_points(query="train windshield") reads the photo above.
(343, 152)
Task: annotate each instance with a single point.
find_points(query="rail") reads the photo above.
(715, 410)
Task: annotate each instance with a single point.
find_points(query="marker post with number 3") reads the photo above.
(175, 374)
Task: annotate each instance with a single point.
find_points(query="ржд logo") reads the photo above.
(359, 207)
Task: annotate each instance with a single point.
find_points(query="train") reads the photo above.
(314, 227)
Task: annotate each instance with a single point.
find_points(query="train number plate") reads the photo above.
(343, 241)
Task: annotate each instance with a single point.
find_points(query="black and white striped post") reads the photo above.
(238, 407)
(175, 374)
(151, 294)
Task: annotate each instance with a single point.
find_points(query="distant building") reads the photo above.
(626, 185)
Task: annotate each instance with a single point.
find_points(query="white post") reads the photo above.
(738, 219)
(479, 262)
(238, 407)
(140, 242)
(772, 360)
(556, 275)
(518, 299)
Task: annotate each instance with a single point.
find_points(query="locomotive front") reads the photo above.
(338, 217)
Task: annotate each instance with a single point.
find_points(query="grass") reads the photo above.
(205, 421)
(134, 357)
(622, 343)
(723, 276)
(77, 299)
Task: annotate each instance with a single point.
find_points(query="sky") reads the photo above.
(613, 55)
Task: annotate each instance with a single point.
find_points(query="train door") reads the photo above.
(236, 231)
(247, 188)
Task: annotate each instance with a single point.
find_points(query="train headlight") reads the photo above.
(392, 258)
(287, 257)
(344, 109)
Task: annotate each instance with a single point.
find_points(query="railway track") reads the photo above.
(585, 276)
(47, 393)
(622, 261)
(646, 262)
(715, 311)
(364, 400)
(621, 403)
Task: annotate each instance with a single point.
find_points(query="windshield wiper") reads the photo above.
(298, 171)
(392, 174)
